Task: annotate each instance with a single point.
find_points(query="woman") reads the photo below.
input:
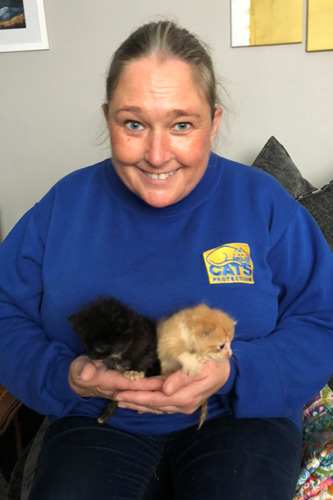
(163, 225)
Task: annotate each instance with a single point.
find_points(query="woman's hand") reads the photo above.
(179, 392)
(92, 378)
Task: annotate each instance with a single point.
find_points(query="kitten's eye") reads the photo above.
(100, 350)
(221, 347)
(208, 332)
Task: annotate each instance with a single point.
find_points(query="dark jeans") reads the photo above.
(227, 459)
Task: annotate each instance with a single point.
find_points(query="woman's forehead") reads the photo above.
(170, 82)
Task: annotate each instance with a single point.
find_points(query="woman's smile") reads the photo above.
(162, 176)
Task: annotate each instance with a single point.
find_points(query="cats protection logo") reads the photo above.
(229, 263)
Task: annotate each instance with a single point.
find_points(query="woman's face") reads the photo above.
(161, 130)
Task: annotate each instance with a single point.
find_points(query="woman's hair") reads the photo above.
(165, 39)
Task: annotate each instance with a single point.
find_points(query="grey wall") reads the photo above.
(51, 122)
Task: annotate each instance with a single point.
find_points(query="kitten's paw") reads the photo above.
(193, 367)
(203, 359)
(133, 375)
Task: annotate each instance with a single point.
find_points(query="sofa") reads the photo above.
(316, 477)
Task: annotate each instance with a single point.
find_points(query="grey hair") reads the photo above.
(165, 39)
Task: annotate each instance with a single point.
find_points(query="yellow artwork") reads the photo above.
(266, 22)
(320, 25)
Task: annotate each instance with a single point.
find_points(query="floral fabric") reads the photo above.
(316, 477)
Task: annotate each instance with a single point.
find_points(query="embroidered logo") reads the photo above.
(229, 263)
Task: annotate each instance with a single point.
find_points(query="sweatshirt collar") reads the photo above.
(198, 195)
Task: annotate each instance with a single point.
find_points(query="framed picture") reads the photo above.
(22, 25)
(320, 22)
(266, 22)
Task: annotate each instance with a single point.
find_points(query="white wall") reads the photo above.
(50, 118)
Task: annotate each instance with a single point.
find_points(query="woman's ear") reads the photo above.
(105, 109)
(216, 123)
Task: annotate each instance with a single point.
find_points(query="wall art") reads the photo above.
(320, 25)
(266, 22)
(22, 25)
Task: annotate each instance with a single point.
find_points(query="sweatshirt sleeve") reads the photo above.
(276, 375)
(33, 367)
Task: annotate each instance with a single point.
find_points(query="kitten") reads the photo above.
(124, 340)
(190, 338)
(138, 346)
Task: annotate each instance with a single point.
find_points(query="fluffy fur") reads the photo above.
(191, 337)
(125, 341)
(138, 346)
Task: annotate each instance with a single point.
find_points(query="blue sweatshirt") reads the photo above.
(238, 242)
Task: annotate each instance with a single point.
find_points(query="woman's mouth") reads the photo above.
(160, 177)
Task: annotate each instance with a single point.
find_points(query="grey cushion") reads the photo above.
(320, 206)
(275, 160)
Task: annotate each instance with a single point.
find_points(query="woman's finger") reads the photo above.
(176, 381)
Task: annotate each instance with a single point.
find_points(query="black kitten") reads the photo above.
(124, 340)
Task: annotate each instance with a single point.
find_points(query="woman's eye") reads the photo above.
(132, 125)
(182, 126)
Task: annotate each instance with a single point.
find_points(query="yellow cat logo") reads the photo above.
(229, 263)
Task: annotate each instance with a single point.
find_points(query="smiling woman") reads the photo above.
(163, 225)
(161, 129)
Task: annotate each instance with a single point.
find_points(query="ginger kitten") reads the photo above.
(191, 337)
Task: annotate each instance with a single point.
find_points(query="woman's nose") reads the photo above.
(157, 148)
